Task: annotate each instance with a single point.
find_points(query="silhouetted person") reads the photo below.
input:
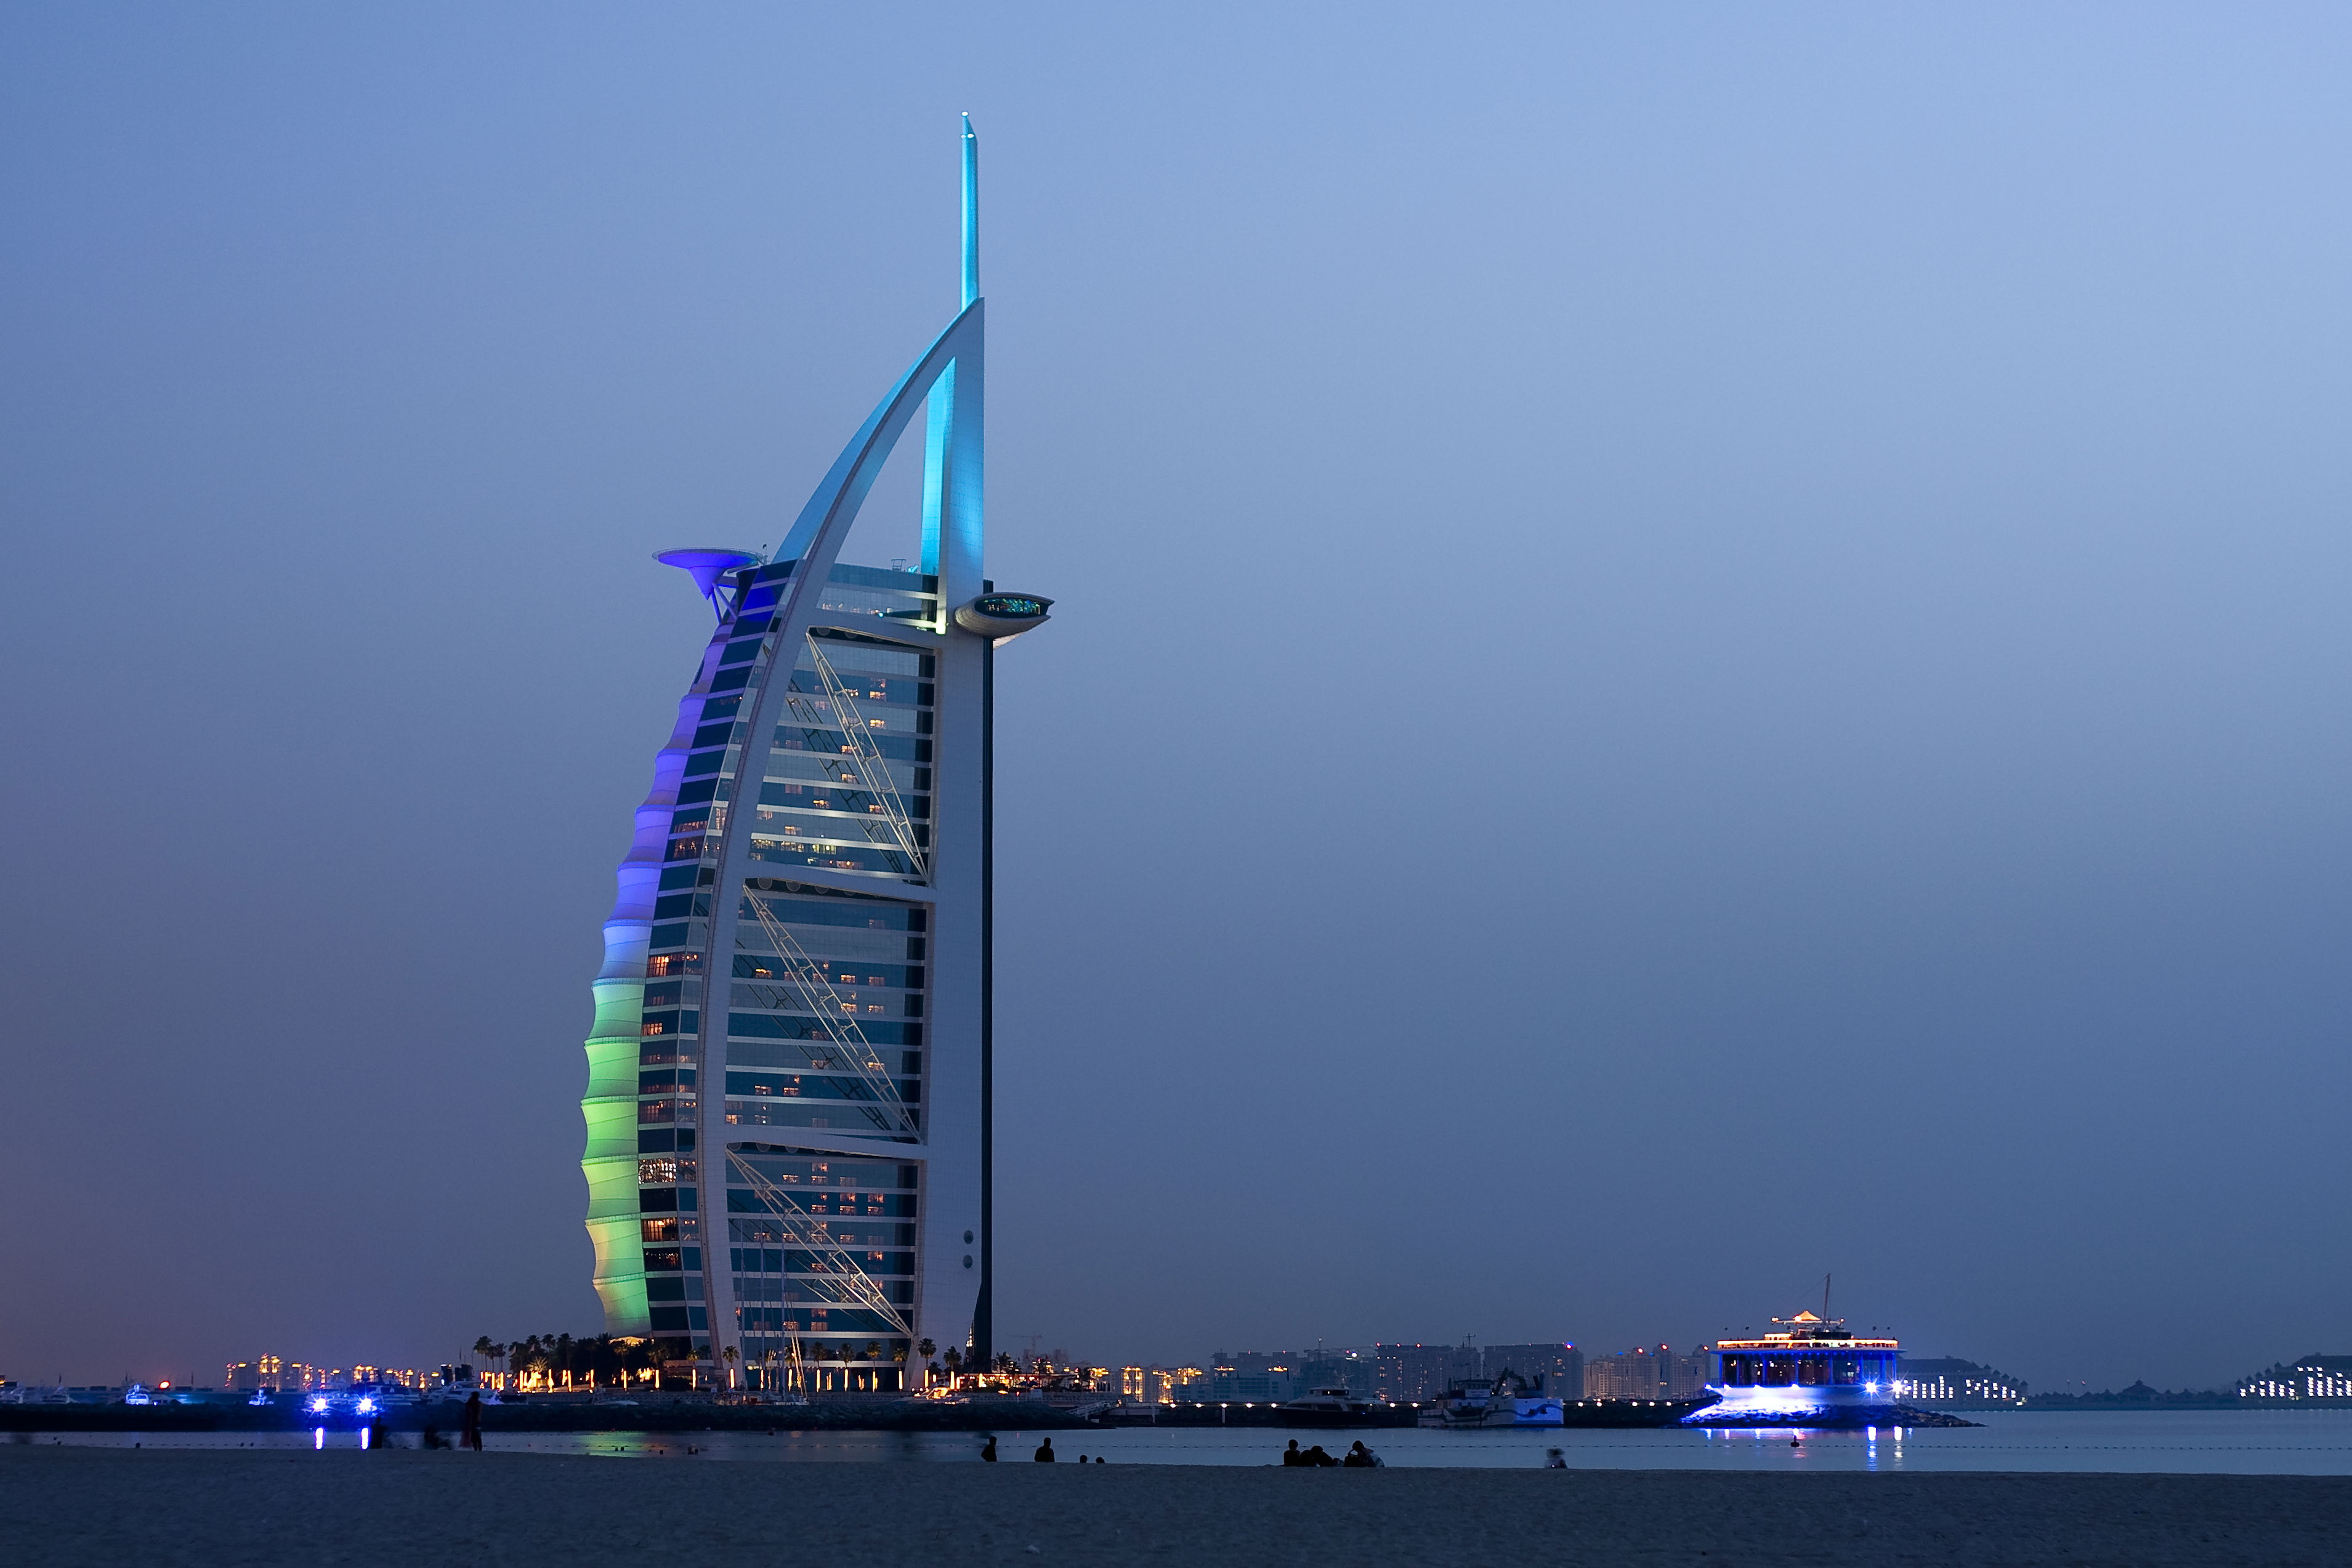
(1045, 1453)
(1554, 1459)
(1100, 1460)
(472, 1436)
(1358, 1457)
(433, 1439)
(1291, 1457)
(989, 1453)
(1317, 1457)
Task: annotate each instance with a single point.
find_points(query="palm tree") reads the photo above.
(925, 1349)
(483, 1351)
(728, 1355)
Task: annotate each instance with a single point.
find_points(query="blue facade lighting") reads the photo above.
(1808, 1370)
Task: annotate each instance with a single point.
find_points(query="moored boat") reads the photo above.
(1331, 1407)
(1509, 1401)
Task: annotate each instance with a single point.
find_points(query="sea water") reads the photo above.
(2209, 1442)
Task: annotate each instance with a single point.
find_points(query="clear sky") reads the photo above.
(1697, 645)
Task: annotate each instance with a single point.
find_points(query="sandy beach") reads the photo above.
(62, 1506)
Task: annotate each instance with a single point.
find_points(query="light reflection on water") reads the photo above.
(2248, 1442)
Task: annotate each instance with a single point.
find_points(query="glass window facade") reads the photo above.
(846, 783)
(860, 1212)
(821, 1021)
(1808, 1369)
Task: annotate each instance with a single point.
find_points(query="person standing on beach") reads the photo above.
(472, 1436)
(989, 1453)
(1045, 1453)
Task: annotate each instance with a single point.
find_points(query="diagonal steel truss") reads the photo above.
(896, 828)
(835, 1279)
(840, 1024)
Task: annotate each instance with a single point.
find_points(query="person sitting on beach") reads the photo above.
(989, 1453)
(1358, 1457)
(1291, 1457)
(1554, 1459)
(1317, 1457)
(1045, 1453)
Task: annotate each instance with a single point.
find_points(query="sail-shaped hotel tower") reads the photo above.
(788, 1104)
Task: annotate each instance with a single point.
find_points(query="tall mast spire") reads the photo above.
(970, 213)
(951, 435)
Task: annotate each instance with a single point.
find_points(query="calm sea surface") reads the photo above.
(2250, 1442)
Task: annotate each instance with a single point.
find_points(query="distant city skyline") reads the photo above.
(1398, 1372)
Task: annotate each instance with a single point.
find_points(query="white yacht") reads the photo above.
(1810, 1371)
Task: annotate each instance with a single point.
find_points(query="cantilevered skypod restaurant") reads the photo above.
(788, 1107)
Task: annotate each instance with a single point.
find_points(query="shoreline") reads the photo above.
(665, 1414)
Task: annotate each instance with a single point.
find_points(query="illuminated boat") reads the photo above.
(1808, 1372)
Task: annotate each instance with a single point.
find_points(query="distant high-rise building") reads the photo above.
(1416, 1373)
(1357, 1371)
(1554, 1369)
(1646, 1372)
(789, 1106)
(262, 1373)
(1247, 1377)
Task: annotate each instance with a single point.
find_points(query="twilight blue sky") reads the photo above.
(1697, 644)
